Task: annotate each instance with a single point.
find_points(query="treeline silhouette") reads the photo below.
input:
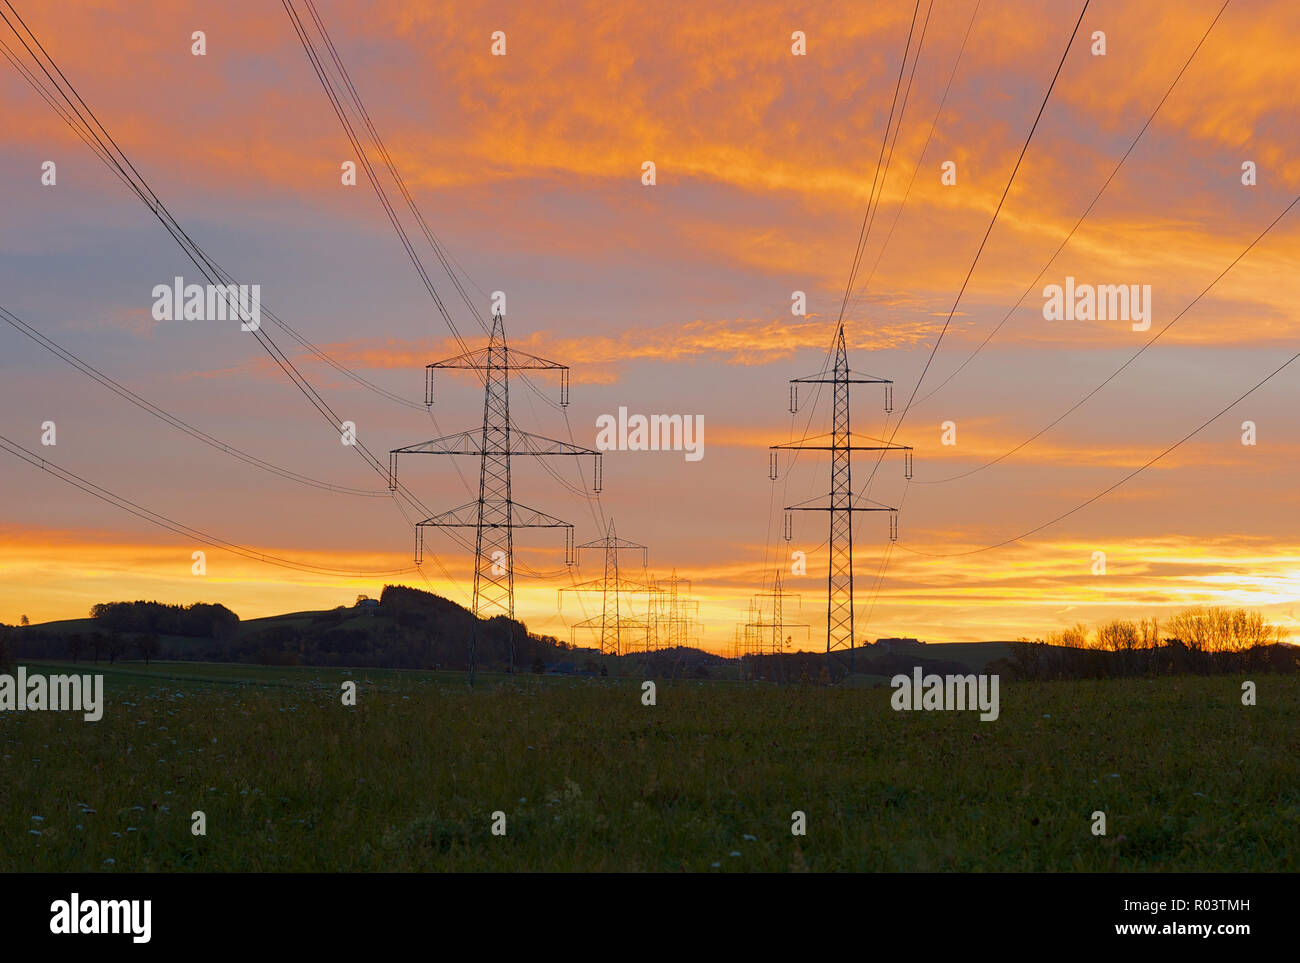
(1202, 641)
(200, 620)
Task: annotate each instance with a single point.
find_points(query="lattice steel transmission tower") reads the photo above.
(494, 515)
(746, 639)
(765, 637)
(611, 624)
(839, 583)
(672, 613)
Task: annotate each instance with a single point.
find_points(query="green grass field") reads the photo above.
(591, 779)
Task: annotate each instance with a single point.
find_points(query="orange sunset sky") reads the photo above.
(671, 298)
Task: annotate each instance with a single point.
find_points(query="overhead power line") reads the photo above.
(162, 521)
(1133, 474)
(24, 328)
(338, 99)
(109, 150)
(992, 221)
(880, 574)
(1116, 373)
(864, 233)
(1033, 285)
(921, 156)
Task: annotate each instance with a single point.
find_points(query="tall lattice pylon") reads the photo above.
(839, 580)
(494, 515)
(611, 625)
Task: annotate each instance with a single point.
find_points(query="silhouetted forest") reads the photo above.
(200, 620)
(1199, 641)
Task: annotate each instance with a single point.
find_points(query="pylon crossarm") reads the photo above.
(467, 516)
(461, 443)
(799, 446)
(806, 506)
(842, 373)
(532, 362)
(480, 359)
(601, 584)
(464, 516)
(614, 542)
(471, 443)
(837, 508)
(812, 380)
(541, 445)
(470, 360)
(525, 517)
(596, 621)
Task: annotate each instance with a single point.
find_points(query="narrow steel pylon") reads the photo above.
(495, 514)
(840, 506)
(611, 624)
(672, 615)
(768, 636)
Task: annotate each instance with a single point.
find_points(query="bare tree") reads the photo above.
(1223, 630)
(1075, 637)
(1118, 636)
(1193, 629)
(1149, 631)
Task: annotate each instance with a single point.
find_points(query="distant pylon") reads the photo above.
(672, 616)
(494, 514)
(611, 624)
(770, 636)
(839, 583)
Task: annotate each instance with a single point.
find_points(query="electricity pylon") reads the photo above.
(494, 515)
(746, 637)
(742, 652)
(839, 580)
(671, 612)
(611, 624)
(770, 636)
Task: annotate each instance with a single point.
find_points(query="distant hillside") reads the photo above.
(404, 628)
(411, 629)
(976, 656)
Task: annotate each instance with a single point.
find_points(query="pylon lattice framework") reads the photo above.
(611, 624)
(672, 616)
(839, 580)
(494, 515)
(763, 637)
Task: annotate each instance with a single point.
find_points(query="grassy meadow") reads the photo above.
(289, 779)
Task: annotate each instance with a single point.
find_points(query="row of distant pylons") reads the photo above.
(638, 613)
